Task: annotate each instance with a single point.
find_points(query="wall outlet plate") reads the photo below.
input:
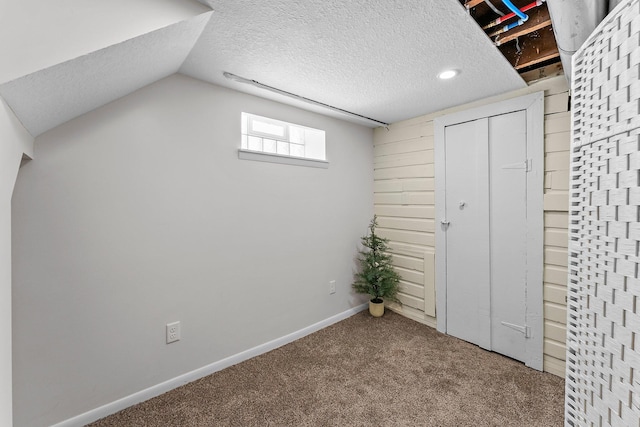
(173, 332)
(332, 287)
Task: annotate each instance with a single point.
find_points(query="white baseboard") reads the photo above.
(156, 390)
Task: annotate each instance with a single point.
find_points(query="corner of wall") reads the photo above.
(14, 141)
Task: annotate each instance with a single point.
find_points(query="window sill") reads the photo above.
(259, 156)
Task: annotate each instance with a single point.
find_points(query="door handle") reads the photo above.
(445, 223)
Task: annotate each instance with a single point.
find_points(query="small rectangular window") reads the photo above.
(275, 137)
(268, 128)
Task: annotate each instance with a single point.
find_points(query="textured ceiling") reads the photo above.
(50, 97)
(375, 58)
(378, 59)
(37, 34)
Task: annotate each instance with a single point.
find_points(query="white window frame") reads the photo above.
(245, 153)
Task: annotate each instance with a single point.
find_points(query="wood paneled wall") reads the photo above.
(404, 202)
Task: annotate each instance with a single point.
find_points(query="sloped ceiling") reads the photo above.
(37, 34)
(375, 58)
(55, 95)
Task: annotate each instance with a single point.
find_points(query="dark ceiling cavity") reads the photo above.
(523, 34)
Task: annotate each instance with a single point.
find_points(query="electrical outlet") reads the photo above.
(173, 332)
(332, 287)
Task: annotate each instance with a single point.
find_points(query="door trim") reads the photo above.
(533, 105)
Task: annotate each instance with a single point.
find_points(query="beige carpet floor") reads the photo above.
(362, 371)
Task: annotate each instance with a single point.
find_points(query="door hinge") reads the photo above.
(527, 165)
(522, 329)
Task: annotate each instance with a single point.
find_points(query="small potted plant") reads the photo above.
(377, 276)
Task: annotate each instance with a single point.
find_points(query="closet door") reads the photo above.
(508, 232)
(467, 232)
(489, 166)
(486, 232)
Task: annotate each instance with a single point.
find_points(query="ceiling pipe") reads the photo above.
(515, 24)
(573, 22)
(257, 84)
(504, 29)
(523, 16)
(492, 7)
(508, 16)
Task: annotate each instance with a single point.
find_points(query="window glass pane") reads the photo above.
(314, 144)
(268, 128)
(269, 146)
(296, 135)
(255, 143)
(296, 150)
(283, 148)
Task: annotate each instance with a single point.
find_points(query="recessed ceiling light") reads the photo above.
(448, 74)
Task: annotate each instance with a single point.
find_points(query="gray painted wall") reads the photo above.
(140, 213)
(14, 141)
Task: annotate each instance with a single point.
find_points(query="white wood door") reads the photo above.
(508, 233)
(489, 170)
(486, 223)
(467, 232)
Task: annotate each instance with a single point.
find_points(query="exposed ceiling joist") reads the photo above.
(526, 45)
(473, 3)
(537, 47)
(538, 19)
(543, 72)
